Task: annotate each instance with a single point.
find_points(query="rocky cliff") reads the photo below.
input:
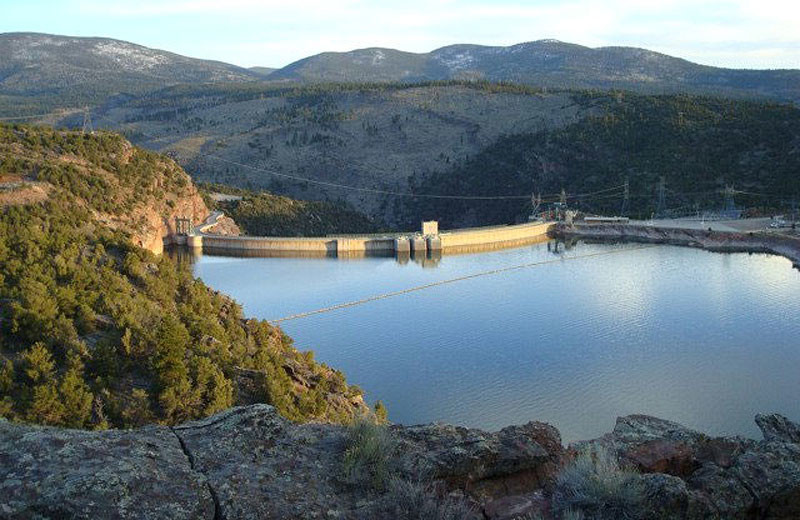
(249, 462)
(151, 219)
(125, 188)
(97, 332)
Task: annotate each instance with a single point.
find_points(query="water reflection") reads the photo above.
(706, 339)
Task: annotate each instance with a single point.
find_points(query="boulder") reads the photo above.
(261, 465)
(57, 473)
(532, 505)
(776, 427)
(517, 459)
(662, 456)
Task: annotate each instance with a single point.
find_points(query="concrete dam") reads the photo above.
(428, 241)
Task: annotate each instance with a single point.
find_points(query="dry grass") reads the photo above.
(17, 193)
(594, 486)
(368, 456)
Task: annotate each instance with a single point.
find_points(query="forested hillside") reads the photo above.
(697, 144)
(367, 138)
(43, 72)
(97, 332)
(546, 63)
(473, 139)
(261, 213)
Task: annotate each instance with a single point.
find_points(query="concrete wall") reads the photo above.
(497, 235)
(454, 241)
(320, 245)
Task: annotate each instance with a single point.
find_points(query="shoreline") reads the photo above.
(716, 241)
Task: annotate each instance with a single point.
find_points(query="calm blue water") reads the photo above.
(702, 338)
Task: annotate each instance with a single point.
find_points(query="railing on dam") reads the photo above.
(457, 240)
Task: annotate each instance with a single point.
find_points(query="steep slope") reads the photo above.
(546, 63)
(470, 139)
(265, 214)
(371, 138)
(97, 331)
(70, 71)
(698, 145)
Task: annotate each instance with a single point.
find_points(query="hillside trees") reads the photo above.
(96, 332)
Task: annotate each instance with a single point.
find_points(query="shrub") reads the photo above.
(381, 413)
(86, 317)
(595, 486)
(369, 453)
(412, 500)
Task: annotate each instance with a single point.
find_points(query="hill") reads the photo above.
(262, 71)
(697, 145)
(43, 72)
(96, 331)
(373, 145)
(51, 71)
(265, 214)
(332, 142)
(546, 63)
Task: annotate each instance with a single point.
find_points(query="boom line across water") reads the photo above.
(430, 285)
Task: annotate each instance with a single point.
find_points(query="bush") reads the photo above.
(368, 456)
(594, 486)
(409, 500)
(381, 413)
(89, 322)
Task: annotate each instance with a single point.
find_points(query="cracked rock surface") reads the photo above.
(56, 473)
(250, 463)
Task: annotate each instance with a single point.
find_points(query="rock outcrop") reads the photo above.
(250, 463)
(57, 473)
(691, 475)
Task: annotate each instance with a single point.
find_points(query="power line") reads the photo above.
(35, 116)
(554, 197)
(449, 281)
(361, 189)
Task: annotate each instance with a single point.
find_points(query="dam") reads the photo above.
(428, 241)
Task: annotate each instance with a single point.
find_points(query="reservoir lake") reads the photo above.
(575, 338)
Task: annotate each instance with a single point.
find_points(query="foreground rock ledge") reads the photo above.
(250, 463)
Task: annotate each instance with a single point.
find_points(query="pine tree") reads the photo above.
(381, 413)
(76, 398)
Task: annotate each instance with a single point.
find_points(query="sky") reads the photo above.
(729, 33)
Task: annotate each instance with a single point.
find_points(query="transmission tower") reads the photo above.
(661, 204)
(536, 203)
(626, 195)
(730, 206)
(87, 121)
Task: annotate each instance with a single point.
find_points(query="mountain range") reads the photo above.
(468, 120)
(548, 63)
(48, 71)
(89, 69)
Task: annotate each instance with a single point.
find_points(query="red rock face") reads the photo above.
(662, 456)
(150, 223)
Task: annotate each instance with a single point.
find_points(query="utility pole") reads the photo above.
(661, 205)
(626, 195)
(87, 121)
